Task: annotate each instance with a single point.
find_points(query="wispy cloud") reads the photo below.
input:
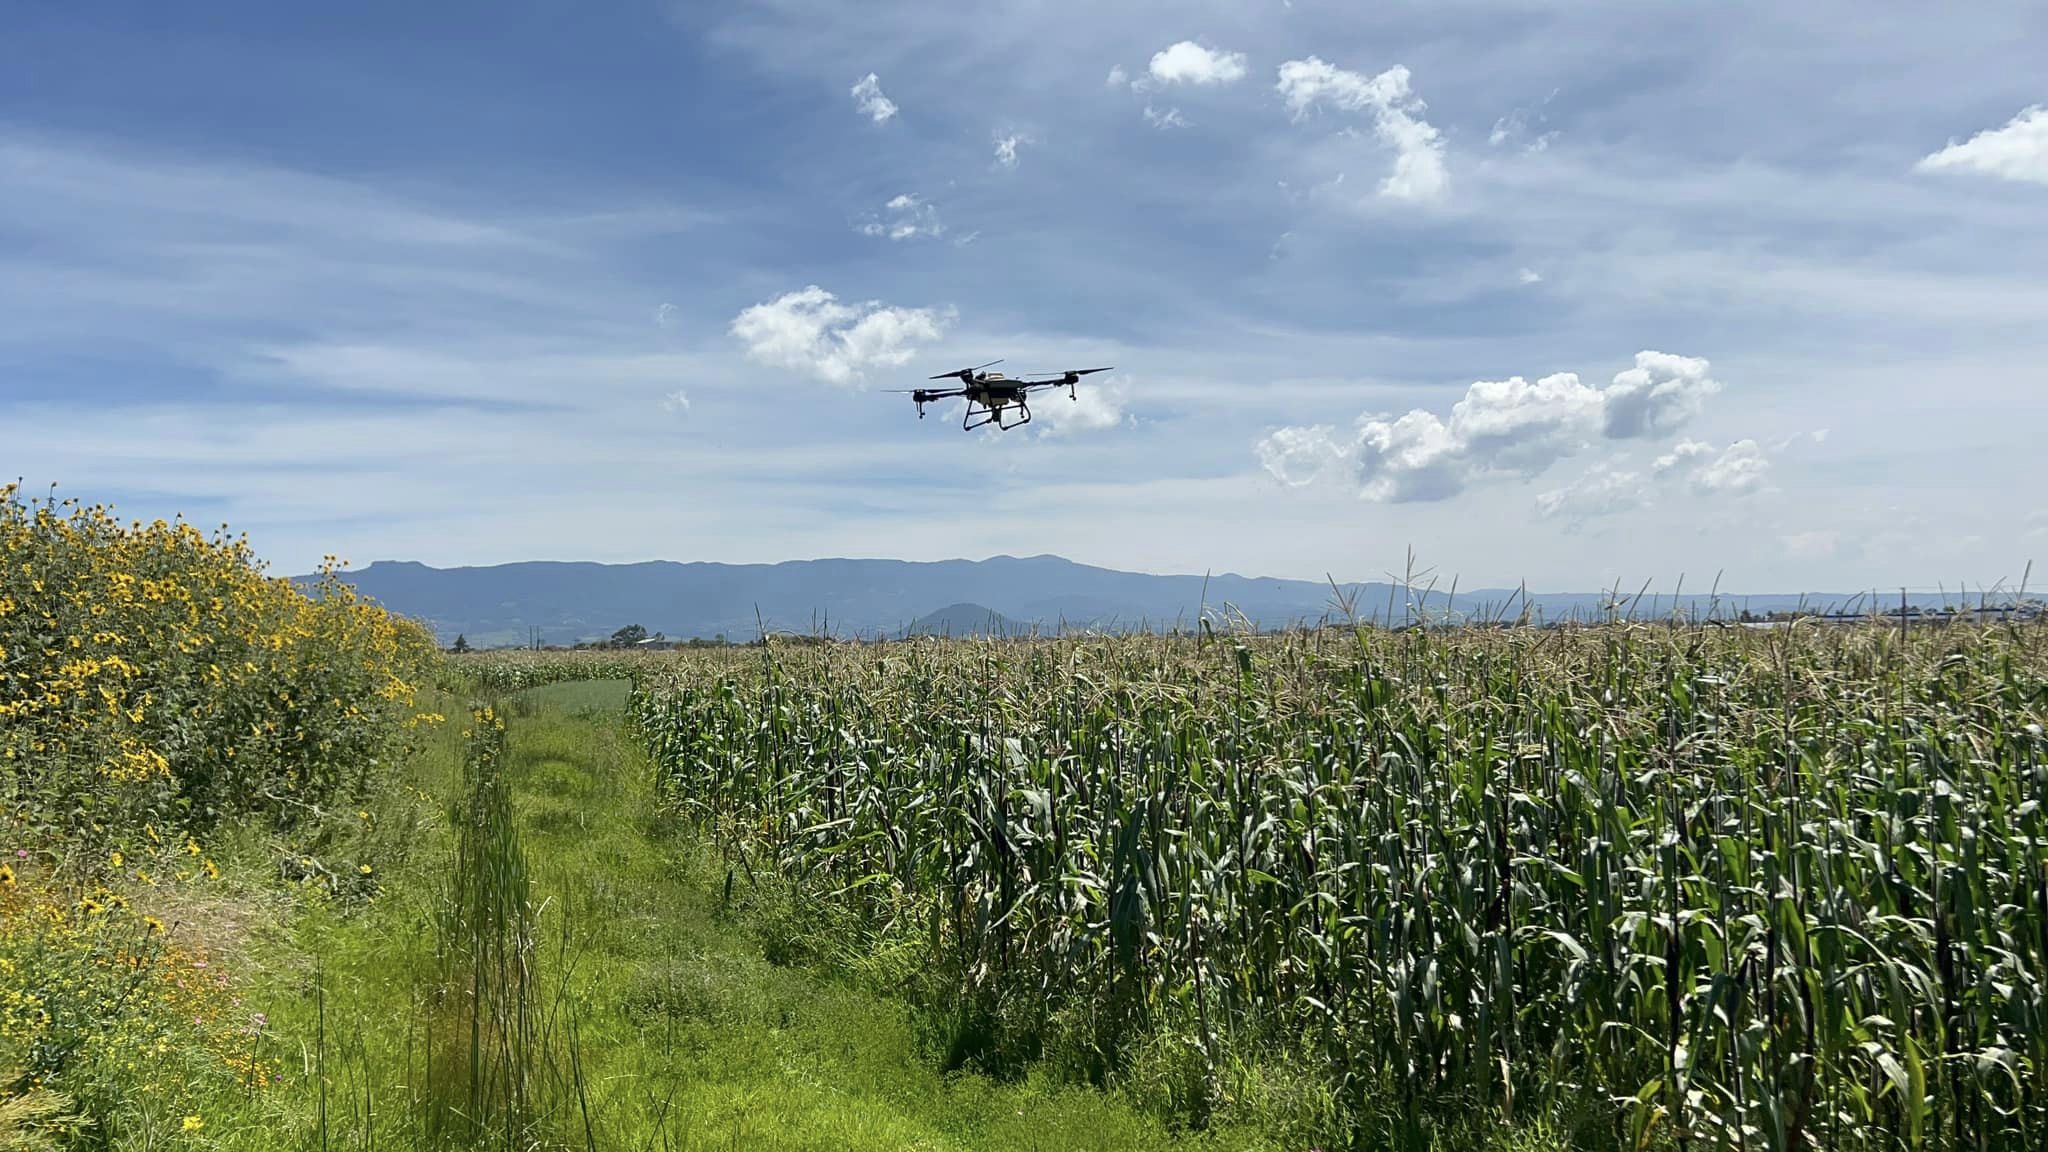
(905, 217)
(1007, 145)
(1602, 491)
(1740, 467)
(867, 96)
(1419, 173)
(1168, 118)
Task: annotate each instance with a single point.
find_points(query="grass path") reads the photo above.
(688, 1037)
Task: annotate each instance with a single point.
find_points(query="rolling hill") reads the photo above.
(564, 602)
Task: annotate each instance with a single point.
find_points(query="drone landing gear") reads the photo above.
(995, 416)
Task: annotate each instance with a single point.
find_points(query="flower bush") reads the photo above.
(152, 674)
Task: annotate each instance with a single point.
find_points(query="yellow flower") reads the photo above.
(6, 876)
(194, 1123)
(116, 858)
(363, 868)
(156, 926)
(212, 871)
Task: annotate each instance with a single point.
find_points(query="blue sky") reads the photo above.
(1574, 294)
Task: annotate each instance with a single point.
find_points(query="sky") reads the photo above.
(1572, 294)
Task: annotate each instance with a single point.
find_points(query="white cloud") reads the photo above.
(1171, 118)
(906, 218)
(867, 96)
(1117, 77)
(665, 315)
(1741, 467)
(1658, 395)
(1529, 276)
(1515, 126)
(2017, 151)
(1300, 456)
(1602, 491)
(810, 331)
(676, 401)
(1412, 458)
(1094, 408)
(1006, 148)
(1512, 427)
(1190, 63)
(1419, 173)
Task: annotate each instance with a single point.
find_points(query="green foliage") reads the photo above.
(154, 674)
(1713, 887)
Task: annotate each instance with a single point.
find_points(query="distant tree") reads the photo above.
(628, 636)
(461, 643)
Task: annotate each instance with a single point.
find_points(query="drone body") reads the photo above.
(992, 396)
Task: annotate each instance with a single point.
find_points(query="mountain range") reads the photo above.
(556, 602)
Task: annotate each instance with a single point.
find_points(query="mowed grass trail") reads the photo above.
(686, 1036)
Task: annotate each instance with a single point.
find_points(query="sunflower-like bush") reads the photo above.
(153, 675)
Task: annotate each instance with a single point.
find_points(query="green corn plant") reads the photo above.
(1663, 886)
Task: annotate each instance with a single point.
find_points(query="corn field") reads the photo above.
(1673, 887)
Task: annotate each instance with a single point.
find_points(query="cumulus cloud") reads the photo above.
(1419, 173)
(1117, 77)
(2017, 151)
(1190, 63)
(1171, 118)
(676, 401)
(905, 217)
(867, 96)
(1740, 467)
(1094, 408)
(1006, 148)
(1501, 428)
(1300, 456)
(813, 332)
(1657, 396)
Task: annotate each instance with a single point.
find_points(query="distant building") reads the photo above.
(655, 644)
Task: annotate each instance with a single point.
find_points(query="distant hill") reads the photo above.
(563, 602)
(963, 620)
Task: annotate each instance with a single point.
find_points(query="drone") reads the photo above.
(991, 396)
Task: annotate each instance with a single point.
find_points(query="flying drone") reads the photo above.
(992, 395)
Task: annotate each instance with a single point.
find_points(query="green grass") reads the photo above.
(663, 1024)
(688, 1035)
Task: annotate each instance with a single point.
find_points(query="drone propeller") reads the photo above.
(964, 371)
(1069, 372)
